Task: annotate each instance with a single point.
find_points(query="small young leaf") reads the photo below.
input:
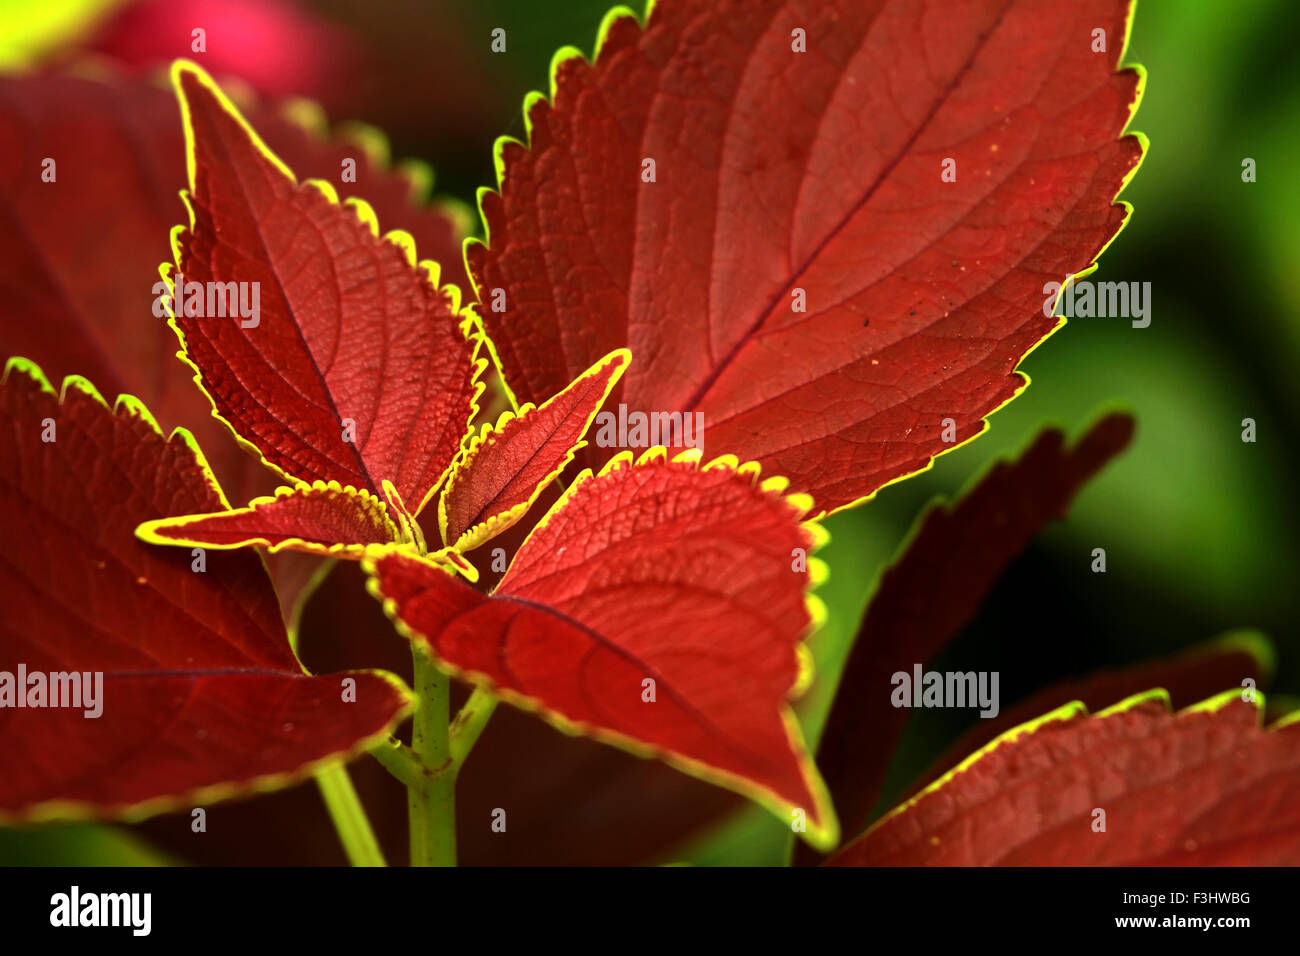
(654, 607)
(505, 468)
(320, 518)
(199, 695)
(1204, 787)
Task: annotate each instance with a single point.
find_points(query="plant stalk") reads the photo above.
(349, 816)
(432, 805)
(469, 724)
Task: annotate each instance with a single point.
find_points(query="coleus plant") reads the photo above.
(733, 210)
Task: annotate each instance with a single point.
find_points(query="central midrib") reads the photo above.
(716, 372)
(311, 356)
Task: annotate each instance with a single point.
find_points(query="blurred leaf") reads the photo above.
(29, 31)
(937, 584)
(78, 844)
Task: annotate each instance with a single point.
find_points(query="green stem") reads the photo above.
(400, 760)
(433, 805)
(469, 724)
(349, 816)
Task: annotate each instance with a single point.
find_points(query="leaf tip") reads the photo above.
(30, 370)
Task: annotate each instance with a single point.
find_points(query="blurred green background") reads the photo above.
(1199, 527)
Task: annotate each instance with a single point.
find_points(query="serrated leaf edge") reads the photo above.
(467, 323)
(495, 524)
(363, 499)
(620, 12)
(1078, 709)
(48, 810)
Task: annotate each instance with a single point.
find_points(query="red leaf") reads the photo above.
(358, 369)
(1204, 787)
(505, 468)
(780, 172)
(658, 579)
(201, 696)
(631, 811)
(79, 255)
(319, 518)
(1188, 677)
(958, 551)
(298, 132)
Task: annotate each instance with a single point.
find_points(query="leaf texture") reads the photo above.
(358, 369)
(200, 697)
(1189, 677)
(505, 467)
(320, 518)
(1204, 787)
(658, 606)
(79, 255)
(795, 267)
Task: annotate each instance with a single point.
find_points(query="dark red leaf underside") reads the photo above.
(663, 572)
(1190, 677)
(1197, 788)
(505, 467)
(357, 371)
(959, 551)
(200, 692)
(780, 172)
